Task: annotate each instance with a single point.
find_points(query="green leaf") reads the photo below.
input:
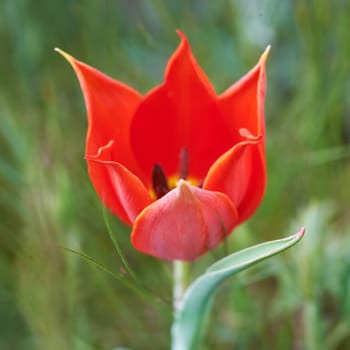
(190, 321)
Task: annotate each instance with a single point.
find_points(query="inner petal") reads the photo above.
(183, 112)
(168, 121)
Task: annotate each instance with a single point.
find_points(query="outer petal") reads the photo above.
(184, 224)
(110, 107)
(182, 112)
(119, 189)
(243, 103)
(240, 173)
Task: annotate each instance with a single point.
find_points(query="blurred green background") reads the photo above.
(53, 299)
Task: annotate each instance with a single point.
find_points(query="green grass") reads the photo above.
(53, 299)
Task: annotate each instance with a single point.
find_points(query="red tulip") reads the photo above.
(181, 165)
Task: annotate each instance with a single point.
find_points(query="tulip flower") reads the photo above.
(181, 165)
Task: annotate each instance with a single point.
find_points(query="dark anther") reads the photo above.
(159, 181)
(184, 162)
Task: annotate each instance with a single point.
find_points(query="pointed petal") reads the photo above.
(240, 173)
(118, 188)
(184, 224)
(243, 103)
(181, 113)
(110, 106)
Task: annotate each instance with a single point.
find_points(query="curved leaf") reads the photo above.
(190, 321)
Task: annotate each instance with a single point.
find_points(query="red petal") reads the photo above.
(240, 173)
(110, 107)
(184, 224)
(243, 103)
(118, 188)
(182, 112)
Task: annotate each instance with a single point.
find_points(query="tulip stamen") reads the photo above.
(159, 181)
(161, 185)
(183, 163)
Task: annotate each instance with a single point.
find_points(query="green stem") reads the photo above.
(180, 275)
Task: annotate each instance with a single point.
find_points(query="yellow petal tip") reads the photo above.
(67, 56)
(265, 54)
(57, 49)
